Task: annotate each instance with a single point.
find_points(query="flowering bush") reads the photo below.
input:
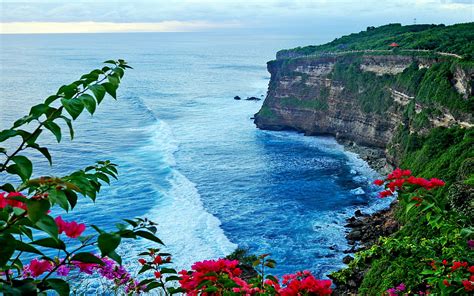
(414, 192)
(432, 254)
(26, 224)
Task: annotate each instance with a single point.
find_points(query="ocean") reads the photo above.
(190, 157)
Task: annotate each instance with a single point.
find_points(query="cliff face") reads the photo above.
(354, 97)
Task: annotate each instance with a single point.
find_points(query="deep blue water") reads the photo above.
(189, 156)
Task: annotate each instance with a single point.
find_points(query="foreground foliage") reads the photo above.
(432, 253)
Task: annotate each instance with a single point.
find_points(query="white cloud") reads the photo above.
(252, 14)
(101, 27)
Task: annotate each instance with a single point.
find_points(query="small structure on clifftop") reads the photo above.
(394, 45)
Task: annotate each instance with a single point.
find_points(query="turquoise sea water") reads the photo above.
(189, 156)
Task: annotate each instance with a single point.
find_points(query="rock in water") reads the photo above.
(253, 99)
(237, 98)
(347, 259)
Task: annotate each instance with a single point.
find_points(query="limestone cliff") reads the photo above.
(363, 97)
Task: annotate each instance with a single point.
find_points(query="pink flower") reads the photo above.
(63, 270)
(72, 229)
(401, 287)
(37, 268)
(87, 268)
(7, 200)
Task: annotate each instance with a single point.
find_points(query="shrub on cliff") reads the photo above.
(432, 253)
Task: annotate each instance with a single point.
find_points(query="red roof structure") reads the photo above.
(393, 44)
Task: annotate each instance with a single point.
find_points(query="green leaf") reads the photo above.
(54, 128)
(108, 242)
(59, 285)
(22, 167)
(152, 286)
(110, 62)
(23, 120)
(59, 197)
(50, 243)
(88, 102)
(410, 206)
(6, 134)
(21, 246)
(114, 80)
(114, 256)
(131, 222)
(68, 90)
(45, 152)
(211, 289)
(86, 258)
(7, 187)
(51, 99)
(48, 225)
(73, 106)
(69, 124)
(71, 197)
(31, 138)
(37, 208)
(172, 278)
(38, 110)
(165, 270)
(149, 236)
(7, 241)
(103, 177)
(98, 91)
(111, 89)
(119, 72)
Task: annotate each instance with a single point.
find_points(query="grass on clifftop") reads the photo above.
(457, 39)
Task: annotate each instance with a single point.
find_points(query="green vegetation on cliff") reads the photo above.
(433, 98)
(457, 39)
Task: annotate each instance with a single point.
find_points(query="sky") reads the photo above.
(276, 16)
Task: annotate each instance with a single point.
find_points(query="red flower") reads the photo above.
(471, 269)
(385, 193)
(157, 274)
(446, 283)
(72, 229)
(7, 200)
(445, 262)
(37, 268)
(379, 182)
(158, 260)
(142, 261)
(468, 286)
(457, 265)
(436, 182)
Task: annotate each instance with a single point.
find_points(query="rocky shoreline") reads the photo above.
(374, 156)
(365, 230)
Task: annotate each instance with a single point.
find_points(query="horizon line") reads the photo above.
(91, 27)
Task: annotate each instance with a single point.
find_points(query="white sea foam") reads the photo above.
(358, 191)
(190, 233)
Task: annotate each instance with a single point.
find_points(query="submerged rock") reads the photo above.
(237, 98)
(253, 99)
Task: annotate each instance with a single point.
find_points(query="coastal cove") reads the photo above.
(214, 181)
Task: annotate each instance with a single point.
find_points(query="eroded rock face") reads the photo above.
(303, 95)
(319, 104)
